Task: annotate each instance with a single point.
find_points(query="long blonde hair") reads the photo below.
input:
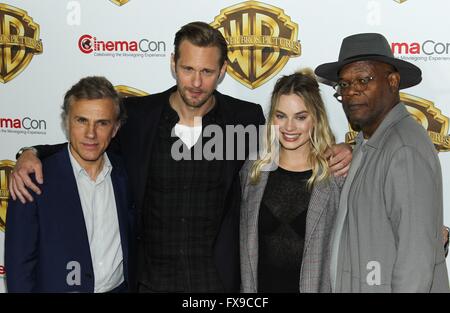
(303, 84)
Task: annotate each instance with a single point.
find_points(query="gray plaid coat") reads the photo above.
(315, 269)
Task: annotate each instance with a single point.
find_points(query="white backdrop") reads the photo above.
(35, 95)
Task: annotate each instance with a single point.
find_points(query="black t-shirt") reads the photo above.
(281, 230)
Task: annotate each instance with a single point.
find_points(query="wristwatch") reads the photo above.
(23, 149)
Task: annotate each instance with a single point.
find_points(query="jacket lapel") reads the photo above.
(231, 167)
(254, 197)
(73, 211)
(317, 205)
(153, 114)
(119, 183)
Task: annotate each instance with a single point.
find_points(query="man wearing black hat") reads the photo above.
(387, 236)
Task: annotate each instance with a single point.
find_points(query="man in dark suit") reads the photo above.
(188, 208)
(74, 236)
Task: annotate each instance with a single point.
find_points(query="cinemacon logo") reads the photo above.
(428, 47)
(88, 44)
(2, 270)
(25, 123)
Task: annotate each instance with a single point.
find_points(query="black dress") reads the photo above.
(281, 230)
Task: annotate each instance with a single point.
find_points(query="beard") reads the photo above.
(191, 104)
(356, 125)
(363, 123)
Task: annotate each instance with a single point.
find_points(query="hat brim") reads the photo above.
(410, 75)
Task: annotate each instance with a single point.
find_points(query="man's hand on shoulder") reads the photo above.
(339, 159)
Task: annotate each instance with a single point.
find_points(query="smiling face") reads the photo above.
(91, 124)
(294, 121)
(366, 109)
(197, 72)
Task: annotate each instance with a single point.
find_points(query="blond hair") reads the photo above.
(303, 84)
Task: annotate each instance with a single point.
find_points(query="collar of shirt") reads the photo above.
(398, 112)
(80, 172)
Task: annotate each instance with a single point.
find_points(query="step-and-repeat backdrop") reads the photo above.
(46, 46)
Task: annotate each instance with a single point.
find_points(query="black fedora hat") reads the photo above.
(369, 46)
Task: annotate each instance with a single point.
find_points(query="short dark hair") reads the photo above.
(91, 88)
(202, 35)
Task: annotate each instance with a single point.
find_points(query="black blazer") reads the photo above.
(135, 141)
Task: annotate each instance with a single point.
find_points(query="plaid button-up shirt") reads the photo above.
(182, 213)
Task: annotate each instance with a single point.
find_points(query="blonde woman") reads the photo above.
(287, 214)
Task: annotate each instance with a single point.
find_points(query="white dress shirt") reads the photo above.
(102, 224)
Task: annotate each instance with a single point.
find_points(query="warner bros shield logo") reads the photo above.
(127, 91)
(119, 2)
(261, 39)
(6, 167)
(19, 41)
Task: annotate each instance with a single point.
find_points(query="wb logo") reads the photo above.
(261, 39)
(19, 41)
(127, 91)
(6, 167)
(119, 2)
